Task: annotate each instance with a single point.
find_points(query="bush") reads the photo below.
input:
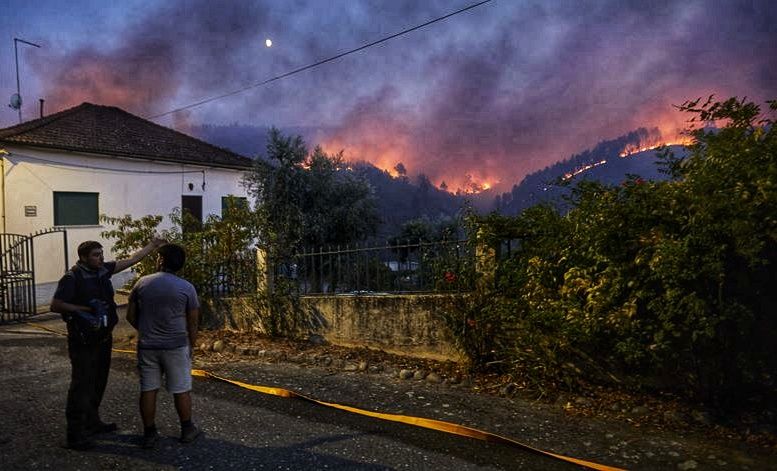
(668, 282)
(220, 258)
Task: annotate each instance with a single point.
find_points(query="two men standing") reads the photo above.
(163, 307)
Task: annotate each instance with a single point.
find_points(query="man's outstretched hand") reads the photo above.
(154, 244)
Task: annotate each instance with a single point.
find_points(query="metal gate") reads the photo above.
(17, 274)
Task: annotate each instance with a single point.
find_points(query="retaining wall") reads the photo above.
(407, 324)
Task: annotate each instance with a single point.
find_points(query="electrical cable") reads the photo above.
(321, 62)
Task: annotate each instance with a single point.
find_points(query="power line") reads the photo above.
(316, 64)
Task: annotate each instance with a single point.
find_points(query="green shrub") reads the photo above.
(668, 283)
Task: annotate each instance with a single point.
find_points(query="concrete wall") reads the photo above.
(409, 324)
(33, 175)
(403, 324)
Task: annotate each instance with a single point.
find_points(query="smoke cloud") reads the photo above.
(484, 97)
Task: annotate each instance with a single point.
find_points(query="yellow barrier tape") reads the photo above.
(433, 424)
(439, 425)
(118, 350)
(43, 327)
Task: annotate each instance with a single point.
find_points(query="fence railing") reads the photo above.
(445, 266)
(221, 271)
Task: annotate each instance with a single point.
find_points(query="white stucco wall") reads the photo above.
(125, 189)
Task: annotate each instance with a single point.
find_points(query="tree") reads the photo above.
(278, 189)
(308, 199)
(338, 207)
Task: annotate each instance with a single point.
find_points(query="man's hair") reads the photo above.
(85, 248)
(173, 257)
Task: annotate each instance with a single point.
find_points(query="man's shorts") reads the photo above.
(175, 364)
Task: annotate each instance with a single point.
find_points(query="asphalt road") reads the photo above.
(248, 430)
(244, 430)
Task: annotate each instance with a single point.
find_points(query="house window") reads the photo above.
(191, 209)
(233, 201)
(72, 208)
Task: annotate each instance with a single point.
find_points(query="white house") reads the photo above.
(69, 168)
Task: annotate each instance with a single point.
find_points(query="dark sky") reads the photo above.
(494, 93)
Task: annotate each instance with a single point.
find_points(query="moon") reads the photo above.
(268, 42)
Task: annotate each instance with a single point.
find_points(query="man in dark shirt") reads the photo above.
(87, 288)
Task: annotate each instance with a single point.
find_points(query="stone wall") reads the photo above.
(408, 324)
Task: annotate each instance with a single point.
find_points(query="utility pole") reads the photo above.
(16, 100)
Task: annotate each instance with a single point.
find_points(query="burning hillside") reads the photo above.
(632, 149)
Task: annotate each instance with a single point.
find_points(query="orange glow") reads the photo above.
(672, 131)
(94, 78)
(387, 143)
(385, 152)
(384, 157)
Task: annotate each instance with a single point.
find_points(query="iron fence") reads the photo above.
(219, 271)
(506, 248)
(445, 266)
(231, 277)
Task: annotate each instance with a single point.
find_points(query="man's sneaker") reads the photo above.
(189, 434)
(150, 441)
(80, 444)
(102, 427)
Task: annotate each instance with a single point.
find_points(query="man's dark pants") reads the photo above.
(89, 376)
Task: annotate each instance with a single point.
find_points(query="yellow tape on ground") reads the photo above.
(439, 425)
(43, 327)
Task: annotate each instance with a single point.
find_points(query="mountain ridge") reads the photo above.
(404, 198)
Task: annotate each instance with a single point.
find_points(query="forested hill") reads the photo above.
(404, 198)
(603, 163)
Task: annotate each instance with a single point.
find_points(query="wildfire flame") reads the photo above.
(472, 187)
(386, 157)
(582, 169)
(635, 149)
(383, 157)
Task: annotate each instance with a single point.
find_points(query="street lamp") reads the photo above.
(16, 100)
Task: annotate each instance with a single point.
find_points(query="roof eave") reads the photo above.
(247, 166)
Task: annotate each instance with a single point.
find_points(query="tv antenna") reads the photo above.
(16, 98)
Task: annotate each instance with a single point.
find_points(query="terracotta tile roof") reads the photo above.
(113, 131)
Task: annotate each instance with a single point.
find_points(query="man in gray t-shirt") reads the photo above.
(165, 310)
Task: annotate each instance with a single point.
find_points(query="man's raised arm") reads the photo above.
(155, 243)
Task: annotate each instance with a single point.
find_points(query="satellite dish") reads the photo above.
(16, 101)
